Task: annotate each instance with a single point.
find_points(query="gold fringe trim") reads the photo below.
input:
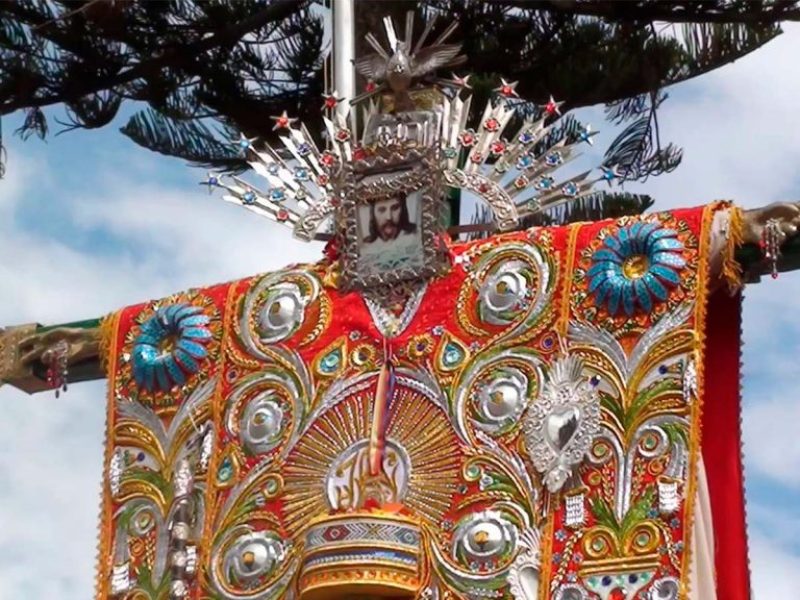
(108, 334)
(109, 331)
(731, 269)
(566, 306)
(696, 419)
(211, 499)
(553, 501)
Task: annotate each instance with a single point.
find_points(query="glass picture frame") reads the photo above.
(393, 209)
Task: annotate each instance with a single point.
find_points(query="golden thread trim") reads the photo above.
(546, 566)
(572, 242)
(217, 403)
(561, 327)
(695, 434)
(106, 344)
(110, 330)
(731, 269)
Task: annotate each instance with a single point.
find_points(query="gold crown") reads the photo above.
(365, 553)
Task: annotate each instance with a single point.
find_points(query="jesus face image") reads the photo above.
(388, 219)
(390, 233)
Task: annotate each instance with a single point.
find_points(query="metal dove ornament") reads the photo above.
(562, 422)
(399, 69)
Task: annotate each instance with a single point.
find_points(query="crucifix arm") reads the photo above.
(24, 349)
(27, 350)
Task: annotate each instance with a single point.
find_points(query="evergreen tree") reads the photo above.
(201, 72)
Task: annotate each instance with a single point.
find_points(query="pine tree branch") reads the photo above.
(277, 9)
(672, 12)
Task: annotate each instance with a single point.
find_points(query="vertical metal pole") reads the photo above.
(344, 49)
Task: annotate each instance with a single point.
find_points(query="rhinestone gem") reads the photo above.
(525, 161)
(491, 124)
(330, 363)
(467, 138)
(453, 354)
(225, 471)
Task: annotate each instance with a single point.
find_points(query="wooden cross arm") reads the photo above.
(22, 347)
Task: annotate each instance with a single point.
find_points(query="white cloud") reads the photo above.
(738, 127)
(772, 445)
(774, 569)
(50, 464)
(164, 240)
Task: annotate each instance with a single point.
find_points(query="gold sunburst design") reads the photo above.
(417, 429)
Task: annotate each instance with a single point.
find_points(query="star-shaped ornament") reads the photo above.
(283, 121)
(507, 88)
(610, 173)
(586, 135)
(331, 100)
(462, 81)
(244, 144)
(212, 181)
(552, 107)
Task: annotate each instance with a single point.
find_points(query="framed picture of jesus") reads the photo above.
(393, 219)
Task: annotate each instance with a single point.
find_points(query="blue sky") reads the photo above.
(89, 222)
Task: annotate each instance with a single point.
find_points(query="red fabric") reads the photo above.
(722, 446)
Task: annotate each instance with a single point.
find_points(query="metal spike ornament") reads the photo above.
(510, 163)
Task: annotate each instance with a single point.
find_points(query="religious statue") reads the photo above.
(542, 414)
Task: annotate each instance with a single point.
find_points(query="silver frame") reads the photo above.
(400, 169)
